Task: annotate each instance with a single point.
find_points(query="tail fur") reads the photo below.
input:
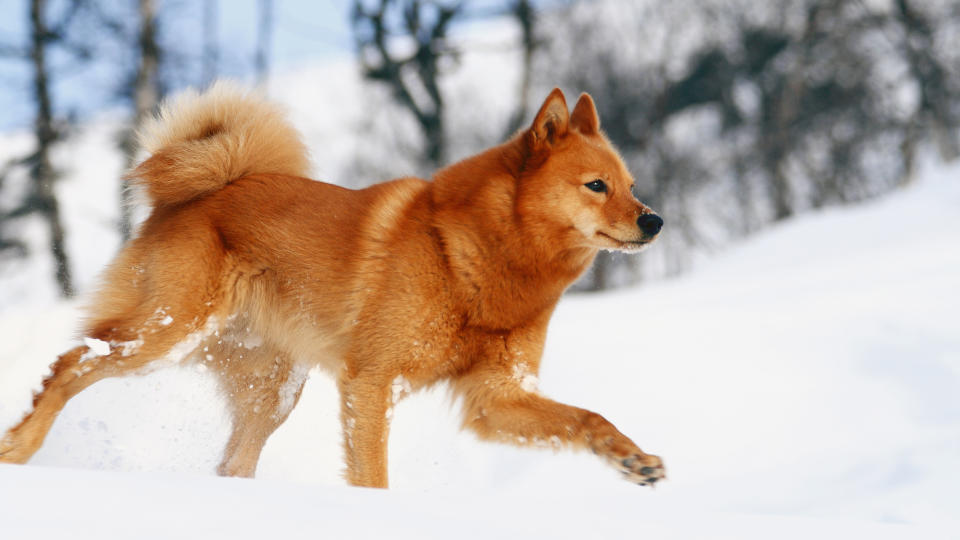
(202, 142)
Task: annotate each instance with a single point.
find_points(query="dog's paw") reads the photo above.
(642, 469)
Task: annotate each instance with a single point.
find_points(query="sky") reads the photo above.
(305, 31)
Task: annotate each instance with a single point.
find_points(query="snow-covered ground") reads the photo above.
(803, 384)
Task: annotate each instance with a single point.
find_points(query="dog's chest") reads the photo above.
(434, 348)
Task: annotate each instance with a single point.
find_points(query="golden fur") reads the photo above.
(212, 139)
(262, 274)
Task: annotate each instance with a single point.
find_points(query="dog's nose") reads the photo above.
(650, 224)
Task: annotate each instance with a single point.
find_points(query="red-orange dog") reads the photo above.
(247, 266)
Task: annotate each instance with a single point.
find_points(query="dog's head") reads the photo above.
(574, 179)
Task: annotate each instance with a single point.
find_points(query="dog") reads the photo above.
(262, 274)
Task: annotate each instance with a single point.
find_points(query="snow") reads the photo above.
(802, 384)
(399, 388)
(288, 391)
(181, 350)
(97, 347)
(527, 380)
(231, 508)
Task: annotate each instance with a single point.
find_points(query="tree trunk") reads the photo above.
(42, 172)
(211, 51)
(782, 191)
(779, 138)
(525, 15)
(264, 33)
(932, 80)
(146, 94)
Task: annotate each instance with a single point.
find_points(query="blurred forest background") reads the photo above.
(732, 114)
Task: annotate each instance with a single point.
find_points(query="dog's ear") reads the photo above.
(584, 118)
(551, 121)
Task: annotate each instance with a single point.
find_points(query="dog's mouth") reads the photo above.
(625, 245)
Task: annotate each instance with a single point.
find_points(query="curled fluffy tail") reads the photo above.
(202, 142)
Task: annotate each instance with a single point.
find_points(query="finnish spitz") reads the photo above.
(246, 265)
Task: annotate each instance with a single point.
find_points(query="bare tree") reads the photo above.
(781, 107)
(41, 171)
(933, 79)
(145, 96)
(8, 243)
(210, 41)
(44, 35)
(526, 16)
(264, 38)
(413, 77)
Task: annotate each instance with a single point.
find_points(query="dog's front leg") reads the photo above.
(503, 404)
(364, 412)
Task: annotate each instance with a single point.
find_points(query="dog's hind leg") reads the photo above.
(262, 385)
(113, 350)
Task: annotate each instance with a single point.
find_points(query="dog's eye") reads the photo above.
(597, 185)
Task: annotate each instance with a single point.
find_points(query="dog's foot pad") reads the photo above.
(642, 469)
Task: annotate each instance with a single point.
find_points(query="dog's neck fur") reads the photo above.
(530, 271)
